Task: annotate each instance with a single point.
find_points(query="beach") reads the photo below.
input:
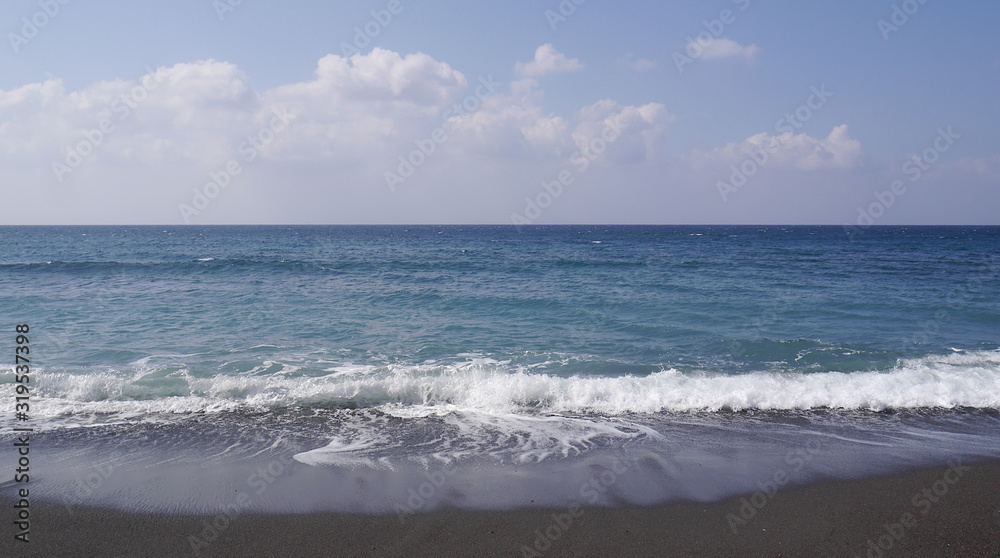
(844, 518)
(530, 279)
(485, 391)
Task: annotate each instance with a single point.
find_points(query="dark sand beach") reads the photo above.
(928, 512)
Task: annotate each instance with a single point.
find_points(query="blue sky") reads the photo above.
(180, 90)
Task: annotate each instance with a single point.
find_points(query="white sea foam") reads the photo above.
(444, 434)
(493, 415)
(350, 453)
(960, 379)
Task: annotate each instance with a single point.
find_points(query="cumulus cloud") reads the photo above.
(637, 131)
(508, 123)
(726, 48)
(201, 112)
(547, 60)
(515, 123)
(787, 150)
(167, 132)
(139, 148)
(381, 76)
(365, 102)
(170, 113)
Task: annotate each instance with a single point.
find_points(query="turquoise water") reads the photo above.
(366, 347)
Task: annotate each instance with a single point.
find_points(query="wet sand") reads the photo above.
(929, 512)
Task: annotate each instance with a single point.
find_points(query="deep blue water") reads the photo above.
(380, 344)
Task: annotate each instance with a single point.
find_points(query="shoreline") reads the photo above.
(940, 511)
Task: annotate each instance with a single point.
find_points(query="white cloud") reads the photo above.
(382, 76)
(787, 150)
(354, 118)
(509, 123)
(547, 60)
(639, 129)
(171, 113)
(516, 124)
(352, 121)
(725, 48)
(365, 102)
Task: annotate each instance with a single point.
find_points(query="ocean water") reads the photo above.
(522, 361)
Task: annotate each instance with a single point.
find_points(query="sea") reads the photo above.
(405, 369)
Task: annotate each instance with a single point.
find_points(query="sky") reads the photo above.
(855, 113)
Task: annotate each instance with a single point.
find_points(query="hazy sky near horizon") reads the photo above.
(541, 111)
